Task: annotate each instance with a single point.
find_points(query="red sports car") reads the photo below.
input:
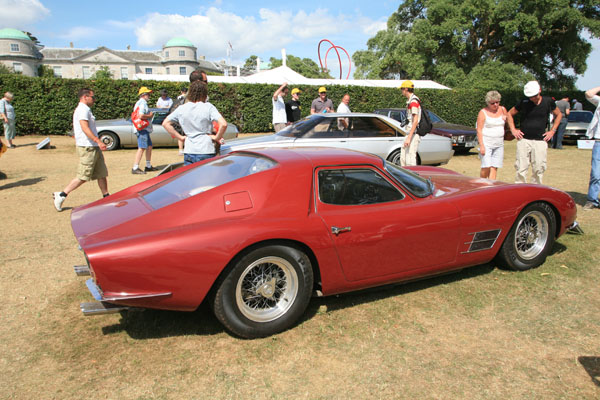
(257, 233)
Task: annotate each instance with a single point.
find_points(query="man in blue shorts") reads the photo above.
(143, 136)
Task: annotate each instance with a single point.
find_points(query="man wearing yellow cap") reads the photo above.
(292, 107)
(321, 104)
(408, 154)
(143, 135)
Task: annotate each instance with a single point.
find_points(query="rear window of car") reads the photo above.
(205, 177)
(580, 116)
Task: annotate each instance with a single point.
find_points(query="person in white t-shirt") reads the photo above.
(344, 108)
(279, 115)
(164, 101)
(89, 148)
(196, 118)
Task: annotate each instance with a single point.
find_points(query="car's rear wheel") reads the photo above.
(530, 238)
(265, 292)
(110, 139)
(395, 157)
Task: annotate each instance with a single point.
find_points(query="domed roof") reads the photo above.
(10, 33)
(179, 42)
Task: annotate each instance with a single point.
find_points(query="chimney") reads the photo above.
(128, 47)
(71, 44)
(283, 58)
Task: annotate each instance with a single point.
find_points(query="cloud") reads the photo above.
(212, 29)
(20, 13)
(81, 33)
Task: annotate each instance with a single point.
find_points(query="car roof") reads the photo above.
(316, 155)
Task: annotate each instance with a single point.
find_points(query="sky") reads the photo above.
(230, 30)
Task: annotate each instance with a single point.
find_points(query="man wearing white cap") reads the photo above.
(532, 137)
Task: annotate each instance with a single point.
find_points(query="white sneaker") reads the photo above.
(180, 152)
(58, 200)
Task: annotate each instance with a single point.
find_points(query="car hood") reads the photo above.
(449, 183)
(242, 144)
(446, 129)
(112, 122)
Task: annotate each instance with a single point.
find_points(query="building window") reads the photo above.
(18, 67)
(181, 53)
(182, 71)
(166, 54)
(57, 71)
(148, 70)
(86, 72)
(14, 47)
(124, 73)
(168, 70)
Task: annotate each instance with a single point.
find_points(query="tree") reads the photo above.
(102, 73)
(45, 71)
(457, 41)
(304, 66)
(6, 70)
(250, 62)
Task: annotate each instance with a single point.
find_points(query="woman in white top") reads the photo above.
(196, 118)
(490, 133)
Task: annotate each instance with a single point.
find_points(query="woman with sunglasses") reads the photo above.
(490, 133)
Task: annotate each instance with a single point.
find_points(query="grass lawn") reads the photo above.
(483, 333)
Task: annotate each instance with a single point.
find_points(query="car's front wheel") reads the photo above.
(530, 238)
(110, 139)
(265, 292)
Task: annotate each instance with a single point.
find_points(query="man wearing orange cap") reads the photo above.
(408, 153)
(143, 135)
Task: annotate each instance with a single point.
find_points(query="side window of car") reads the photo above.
(328, 128)
(398, 115)
(355, 186)
(370, 127)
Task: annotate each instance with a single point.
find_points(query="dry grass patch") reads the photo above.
(482, 333)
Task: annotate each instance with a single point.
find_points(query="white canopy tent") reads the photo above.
(282, 74)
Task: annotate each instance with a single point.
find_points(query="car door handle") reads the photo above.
(336, 231)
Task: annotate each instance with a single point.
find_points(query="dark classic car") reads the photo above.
(577, 125)
(117, 133)
(464, 138)
(257, 233)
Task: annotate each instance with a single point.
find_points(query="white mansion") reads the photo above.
(177, 57)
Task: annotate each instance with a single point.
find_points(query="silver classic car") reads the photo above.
(577, 125)
(117, 133)
(369, 133)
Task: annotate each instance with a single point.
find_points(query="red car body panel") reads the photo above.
(169, 258)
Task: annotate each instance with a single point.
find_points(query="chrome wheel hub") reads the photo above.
(531, 235)
(266, 289)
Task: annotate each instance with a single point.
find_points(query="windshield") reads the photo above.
(297, 129)
(412, 181)
(581, 116)
(205, 177)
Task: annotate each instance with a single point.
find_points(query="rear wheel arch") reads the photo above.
(271, 242)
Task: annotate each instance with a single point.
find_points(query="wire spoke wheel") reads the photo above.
(531, 235)
(266, 289)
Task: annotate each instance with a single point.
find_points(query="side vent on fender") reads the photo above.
(483, 240)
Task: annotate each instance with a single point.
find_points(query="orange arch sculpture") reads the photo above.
(334, 47)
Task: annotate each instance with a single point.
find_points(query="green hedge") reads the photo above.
(44, 106)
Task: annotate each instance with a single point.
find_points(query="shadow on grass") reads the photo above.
(152, 324)
(580, 198)
(24, 182)
(592, 367)
(346, 300)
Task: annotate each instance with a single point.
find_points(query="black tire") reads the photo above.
(265, 292)
(110, 139)
(395, 157)
(530, 239)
